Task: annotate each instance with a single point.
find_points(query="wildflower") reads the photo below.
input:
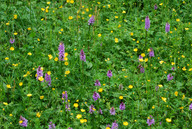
(99, 35)
(109, 74)
(41, 97)
(82, 55)
(125, 123)
(150, 121)
(168, 120)
(61, 51)
(100, 111)
(15, 16)
(65, 96)
(48, 79)
(147, 23)
(112, 111)
(29, 95)
(91, 109)
(39, 73)
(167, 27)
(190, 106)
(173, 68)
(67, 106)
(155, 6)
(12, 48)
(23, 122)
(96, 96)
(75, 105)
(151, 53)
(29, 53)
(116, 40)
(97, 83)
(8, 86)
(169, 77)
(5, 103)
(130, 86)
(176, 93)
(114, 125)
(120, 97)
(140, 58)
(51, 125)
(79, 116)
(142, 70)
(164, 99)
(91, 20)
(38, 114)
(12, 40)
(6, 58)
(122, 106)
(70, 17)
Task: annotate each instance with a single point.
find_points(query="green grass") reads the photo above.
(116, 39)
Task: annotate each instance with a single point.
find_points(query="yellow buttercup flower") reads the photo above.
(100, 90)
(168, 120)
(75, 105)
(183, 97)
(29, 95)
(130, 86)
(131, 33)
(12, 48)
(164, 99)
(67, 72)
(38, 114)
(176, 93)
(153, 107)
(29, 28)
(177, 20)
(135, 49)
(82, 110)
(6, 58)
(21, 83)
(15, 16)
(29, 53)
(184, 69)
(143, 54)
(41, 97)
(120, 97)
(49, 72)
(5, 103)
(116, 40)
(125, 123)
(82, 120)
(41, 78)
(161, 62)
(8, 86)
(124, 12)
(48, 2)
(79, 116)
(99, 35)
(70, 17)
(56, 59)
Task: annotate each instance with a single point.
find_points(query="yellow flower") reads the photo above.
(41, 97)
(29, 95)
(42, 9)
(116, 40)
(181, 108)
(125, 123)
(20, 83)
(164, 99)
(79, 116)
(7, 23)
(146, 59)
(186, 28)
(124, 12)
(38, 114)
(107, 128)
(20, 121)
(5, 103)
(135, 49)
(153, 107)
(176, 93)
(109, 5)
(53, 88)
(67, 72)
(120, 97)
(116, 16)
(6, 58)
(82, 120)
(12, 48)
(85, 120)
(190, 69)
(71, 1)
(15, 16)
(48, 2)
(15, 33)
(172, 63)
(29, 28)
(29, 53)
(100, 90)
(131, 33)
(183, 97)
(161, 62)
(190, 99)
(8, 86)
(99, 35)
(171, 32)
(143, 54)
(168, 120)
(70, 17)
(75, 105)
(119, 26)
(10, 114)
(90, 15)
(130, 86)
(161, 4)
(82, 110)
(111, 31)
(41, 78)
(98, 2)
(177, 20)
(107, 19)
(87, 10)
(65, 58)
(184, 69)
(56, 59)
(49, 72)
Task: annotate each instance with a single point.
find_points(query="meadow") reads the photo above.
(83, 64)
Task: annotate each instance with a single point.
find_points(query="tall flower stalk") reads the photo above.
(147, 26)
(90, 23)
